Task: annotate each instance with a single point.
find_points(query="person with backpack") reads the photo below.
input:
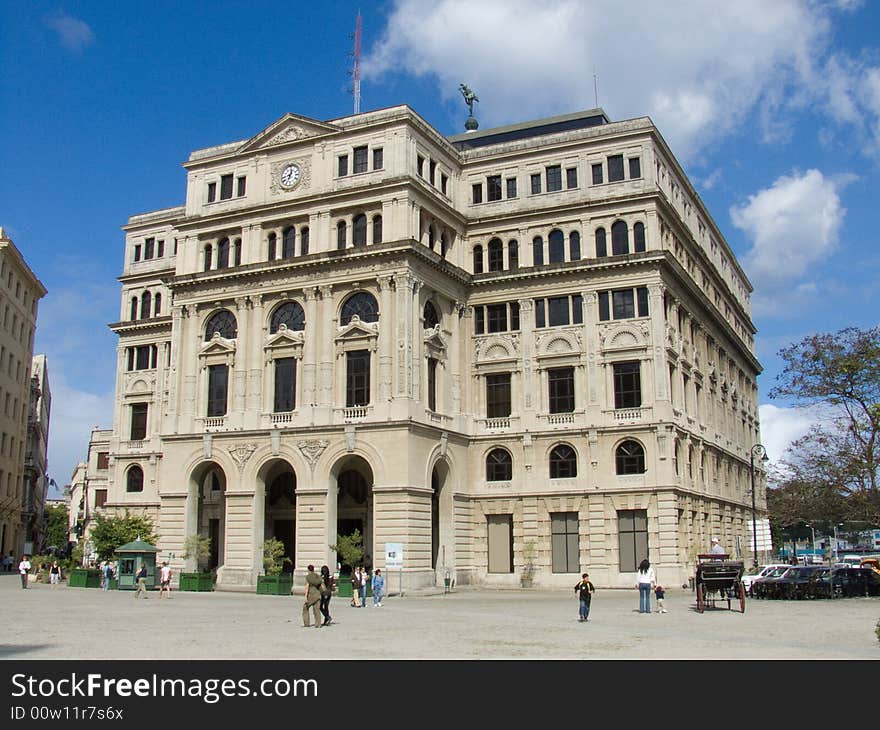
(585, 589)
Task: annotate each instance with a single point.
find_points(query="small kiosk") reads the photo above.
(130, 557)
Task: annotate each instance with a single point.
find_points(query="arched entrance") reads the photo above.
(442, 533)
(354, 502)
(209, 483)
(279, 508)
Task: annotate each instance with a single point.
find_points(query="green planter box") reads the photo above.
(196, 582)
(113, 585)
(274, 585)
(84, 578)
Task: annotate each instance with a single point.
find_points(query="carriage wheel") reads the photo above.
(701, 605)
(742, 598)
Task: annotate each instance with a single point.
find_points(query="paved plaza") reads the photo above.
(85, 623)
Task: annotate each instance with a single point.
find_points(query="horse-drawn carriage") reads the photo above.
(719, 579)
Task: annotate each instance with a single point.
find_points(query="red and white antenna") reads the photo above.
(356, 73)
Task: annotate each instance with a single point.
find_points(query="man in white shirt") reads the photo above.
(24, 567)
(165, 579)
(716, 548)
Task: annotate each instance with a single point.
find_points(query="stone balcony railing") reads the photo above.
(133, 445)
(215, 422)
(285, 417)
(353, 413)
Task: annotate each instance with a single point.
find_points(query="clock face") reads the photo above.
(290, 175)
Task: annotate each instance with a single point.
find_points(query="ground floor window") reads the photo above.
(500, 543)
(564, 542)
(632, 534)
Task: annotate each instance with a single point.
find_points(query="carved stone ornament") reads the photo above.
(312, 450)
(286, 135)
(240, 453)
(305, 168)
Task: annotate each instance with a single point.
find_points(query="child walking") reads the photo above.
(378, 588)
(660, 594)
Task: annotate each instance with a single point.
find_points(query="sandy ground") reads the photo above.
(85, 623)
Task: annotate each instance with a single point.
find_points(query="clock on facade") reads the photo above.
(290, 175)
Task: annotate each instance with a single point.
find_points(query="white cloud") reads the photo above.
(792, 224)
(73, 33)
(698, 71)
(781, 426)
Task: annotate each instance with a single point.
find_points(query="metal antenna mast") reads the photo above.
(596, 87)
(356, 72)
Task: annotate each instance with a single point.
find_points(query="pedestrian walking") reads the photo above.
(141, 576)
(54, 574)
(365, 576)
(585, 589)
(645, 585)
(356, 587)
(165, 579)
(312, 598)
(327, 584)
(106, 575)
(24, 567)
(660, 594)
(378, 587)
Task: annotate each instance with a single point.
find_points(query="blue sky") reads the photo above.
(772, 108)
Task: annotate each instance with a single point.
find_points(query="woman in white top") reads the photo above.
(646, 584)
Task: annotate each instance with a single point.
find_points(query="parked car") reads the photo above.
(763, 587)
(799, 582)
(761, 571)
(851, 582)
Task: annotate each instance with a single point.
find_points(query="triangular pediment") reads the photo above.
(357, 329)
(217, 345)
(290, 128)
(433, 338)
(285, 337)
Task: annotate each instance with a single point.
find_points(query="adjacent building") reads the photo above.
(87, 491)
(524, 347)
(36, 478)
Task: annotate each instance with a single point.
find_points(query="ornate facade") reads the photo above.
(527, 346)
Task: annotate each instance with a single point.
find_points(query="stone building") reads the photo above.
(87, 491)
(528, 346)
(20, 292)
(36, 478)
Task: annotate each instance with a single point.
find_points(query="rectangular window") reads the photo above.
(496, 317)
(103, 459)
(160, 248)
(225, 187)
(536, 183)
(627, 385)
(443, 181)
(342, 166)
(597, 174)
(558, 310)
(137, 252)
(241, 187)
(285, 384)
(100, 497)
(642, 295)
(564, 543)
(212, 192)
(479, 321)
(632, 536)
(477, 193)
(138, 421)
(149, 247)
(623, 304)
(635, 168)
(560, 385)
(498, 395)
(432, 172)
(539, 313)
(511, 187)
(615, 168)
(577, 309)
(432, 384)
(554, 178)
(571, 178)
(218, 378)
(357, 378)
(378, 159)
(360, 160)
(142, 358)
(493, 187)
(420, 165)
(514, 316)
(604, 314)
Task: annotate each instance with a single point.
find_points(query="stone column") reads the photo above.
(386, 345)
(416, 358)
(591, 347)
(527, 359)
(240, 365)
(257, 337)
(325, 370)
(658, 335)
(310, 349)
(189, 365)
(239, 569)
(403, 314)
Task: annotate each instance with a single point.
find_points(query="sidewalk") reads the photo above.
(87, 623)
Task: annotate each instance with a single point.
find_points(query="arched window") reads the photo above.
(499, 466)
(134, 479)
(157, 305)
(556, 241)
(563, 462)
(146, 301)
(208, 257)
(133, 313)
(630, 458)
(340, 234)
(236, 252)
(359, 230)
(223, 254)
(431, 237)
(639, 237)
(362, 304)
(574, 246)
(222, 322)
(304, 241)
(496, 255)
(430, 316)
(377, 229)
(478, 259)
(619, 239)
(512, 255)
(290, 314)
(538, 251)
(273, 241)
(288, 243)
(601, 246)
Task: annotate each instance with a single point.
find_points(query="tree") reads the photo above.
(833, 472)
(273, 556)
(56, 526)
(198, 547)
(349, 548)
(109, 531)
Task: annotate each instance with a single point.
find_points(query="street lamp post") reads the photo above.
(761, 452)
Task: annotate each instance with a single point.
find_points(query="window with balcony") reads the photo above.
(285, 384)
(627, 385)
(560, 387)
(138, 422)
(218, 381)
(498, 403)
(357, 378)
